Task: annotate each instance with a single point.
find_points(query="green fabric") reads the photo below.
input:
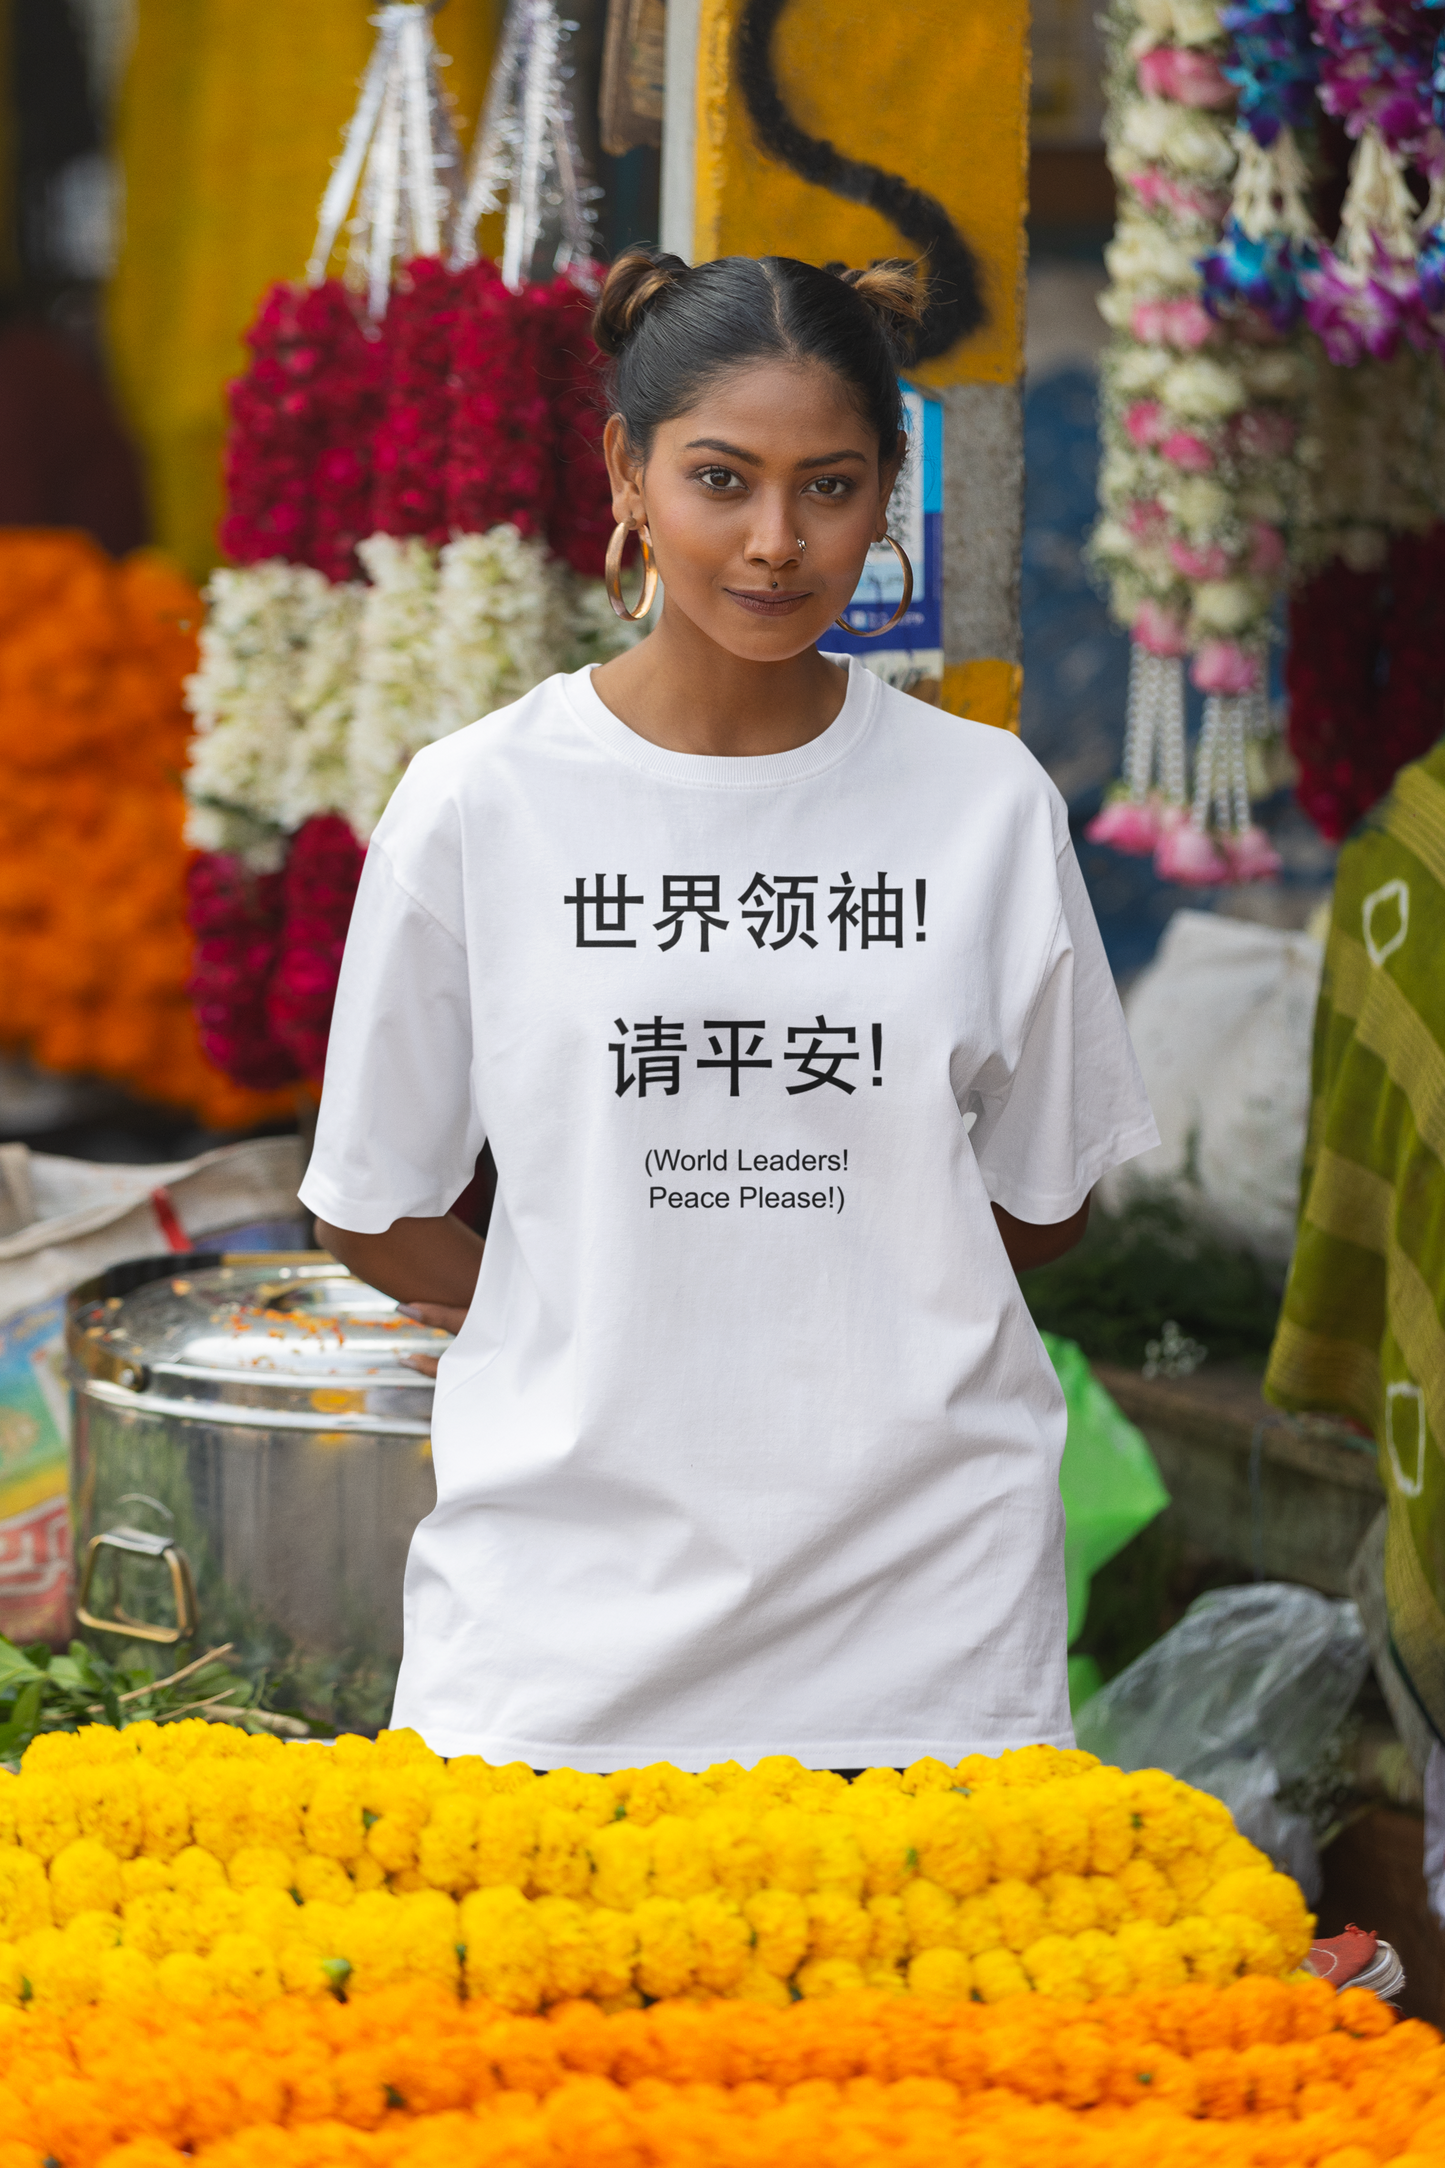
(1360, 1332)
(1109, 1483)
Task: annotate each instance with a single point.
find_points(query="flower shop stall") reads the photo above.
(1274, 408)
(220, 1948)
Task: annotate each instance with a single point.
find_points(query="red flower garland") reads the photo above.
(235, 916)
(322, 872)
(572, 378)
(410, 447)
(1366, 677)
(499, 466)
(297, 482)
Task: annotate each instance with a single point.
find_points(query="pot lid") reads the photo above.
(296, 1336)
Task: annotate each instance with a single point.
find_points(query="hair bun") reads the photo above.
(893, 289)
(630, 288)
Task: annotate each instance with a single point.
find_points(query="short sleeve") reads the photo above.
(399, 1132)
(1075, 1104)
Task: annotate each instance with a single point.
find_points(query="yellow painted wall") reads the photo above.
(230, 117)
(936, 91)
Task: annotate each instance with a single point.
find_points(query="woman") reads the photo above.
(746, 1444)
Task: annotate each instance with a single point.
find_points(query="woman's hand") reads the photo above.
(429, 1265)
(443, 1318)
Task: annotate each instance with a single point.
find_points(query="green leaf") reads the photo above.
(15, 1666)
(21, 1729)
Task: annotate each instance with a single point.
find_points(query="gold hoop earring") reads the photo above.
(902, 609)
(613, 575)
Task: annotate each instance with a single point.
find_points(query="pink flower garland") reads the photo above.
(499, 464)
(322, 872)
(297, 478)
(410, 447)
(581, 519)
(235, 916)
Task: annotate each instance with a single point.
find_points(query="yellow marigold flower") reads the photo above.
(946, 1973)
(160, 1923)
(1011, 1839)
(621, 1865)
(956, 1843)
(722, 1941)
(787, 1835)
(1071, 1902)
(127, 1978)
(571, 1961)
(1164, 1812)
(1209, 1950)
(400, 1802)
(665, 1955)
(884, 1837)
(838, 1927)
(838, 1859)
(84, 1877)
(614, 1950)
(759, 1985)
(932, 1915)
(561, 1866)
(367, 1875)
(45, 1817)
(12, 1976)
(1153, 1954)
(735, 1849)
(1263, 1895)
(506, 1948)
(1110, 1899)
(506, 1839)
(1260, 1949)
(219, 1793)
(1189, 1876)
(261, 1866)
(1057, 1967)
(577, 1791)
(929, 1775)
(165, 1813)
(779, 1921)
(1106, 1968)
(9, 1803)
(429, 1938)
(681, 1860)
(220, 1911)
(888, 1938)
(471, 1774)
(1021, 1913)
(660, 1789)
(302, 1969)
(1148, 1894)
(95, 1932)
(24, 1894)
(822, 1977)
(268, 1913)
(63, 1973)
(1104, 1804)
(139, 1877)
(108, 1808)
(997, 1974)
(334, 1827)
(1063, 1832)
(447, 1852)
(184, 1978)
(877, 1780)
(977, 1927)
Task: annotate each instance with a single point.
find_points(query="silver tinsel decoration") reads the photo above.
(401, 151)
(526, 156)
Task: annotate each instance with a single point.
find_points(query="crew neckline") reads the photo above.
(743, 771)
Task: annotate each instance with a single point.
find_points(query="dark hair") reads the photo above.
(670, 329)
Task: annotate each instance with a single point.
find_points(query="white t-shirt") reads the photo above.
(748, 1445)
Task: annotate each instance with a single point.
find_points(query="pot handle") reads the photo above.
(139, 1543)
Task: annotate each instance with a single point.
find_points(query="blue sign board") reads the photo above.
(913, 649)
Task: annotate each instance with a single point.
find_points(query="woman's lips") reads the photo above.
(765, 603)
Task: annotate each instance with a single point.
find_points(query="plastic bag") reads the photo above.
(1243, 1697)
(1110, 1485)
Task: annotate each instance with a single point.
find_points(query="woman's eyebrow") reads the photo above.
(831, 459)
(715, 444)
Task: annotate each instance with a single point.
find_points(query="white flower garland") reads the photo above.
(311, 698)
(1201, 482)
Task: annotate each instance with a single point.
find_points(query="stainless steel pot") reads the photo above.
(247, 1444)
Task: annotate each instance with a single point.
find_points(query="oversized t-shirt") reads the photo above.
(748, 1445)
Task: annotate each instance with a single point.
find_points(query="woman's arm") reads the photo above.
(1029, 1244)
(429, 1265)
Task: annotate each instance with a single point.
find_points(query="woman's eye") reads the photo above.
(831, 485)
(717, 477)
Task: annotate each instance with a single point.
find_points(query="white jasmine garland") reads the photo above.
(1228, 606)
(1203, 390)
(1201, 505)
(316, 777)
(397, 699)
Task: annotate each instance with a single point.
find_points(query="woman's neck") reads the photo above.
(680, 690)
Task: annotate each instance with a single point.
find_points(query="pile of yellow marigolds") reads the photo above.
(220, 1947)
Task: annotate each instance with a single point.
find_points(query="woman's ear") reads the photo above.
(624, 471)
(888, 473)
